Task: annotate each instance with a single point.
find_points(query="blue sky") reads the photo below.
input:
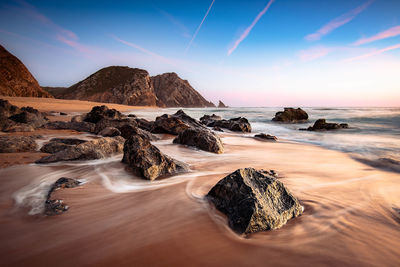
(246, 53)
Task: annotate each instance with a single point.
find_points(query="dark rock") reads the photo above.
(144, 124)
(254, 201)
(12, 126)
(131, 116)
(58, 144)
(218, 129)
(291, 115)
(75, 125)
(30, 116)
(63, 114)
(57, 206)
(116, 123)
(236, 124)
(322, 125)
(266, 137)
(221, 104)
(102, 112)
(207, 119)
(174, 124)
(13, 144)
(93, 149)
(128, 130)
(147, 161)
(7, 109)
(68, 141)
(110, 132)
(200, 138)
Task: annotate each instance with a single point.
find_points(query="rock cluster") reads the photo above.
(291, 115)
(254, 201)
(322, 125)
(239, 124)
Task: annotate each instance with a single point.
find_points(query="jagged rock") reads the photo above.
(236, 124)
(128, 130)
(200, 138)
(172, 91)
(57, 206)
(99, 113)
(218, 129)
(15, 78)
(13, 144)
(77, 126)
(30, 116)
(115, 84)
(322, 125)
(110, 132)
(254, 201)
(221, 104)
(266, 137)
(147, 161)
(291, 115)
(207, 119)
(174, 124)
(7, 109)
(144, 124)
(116, 123)
(58, 144)
(93, 149)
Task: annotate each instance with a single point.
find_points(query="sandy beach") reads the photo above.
(350, 216)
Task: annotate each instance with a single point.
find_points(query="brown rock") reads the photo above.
(13, 144)
(201, 138)
(266, 137)
(291, 115)
(322, 125)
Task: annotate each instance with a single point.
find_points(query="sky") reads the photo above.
(245, 53)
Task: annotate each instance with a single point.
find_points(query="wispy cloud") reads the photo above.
(248, 29)
(314, 53)
(392, 32)
(377, 52)
(338, 22)
(198, 28)
(183, 29)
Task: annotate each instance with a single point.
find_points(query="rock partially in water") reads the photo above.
(291, 115)
(254, 201)
(175, 124)
(13, 144)
(116, 123)
(144, 124)
(93, 149)
(207, 119)
(322, 125)
(266, 137)
(57, 206)
(110, 132)
(218, 129)
(102, 112)
(239, 124)
(129, 130)
(201, 138)
(58, 144)
(147, 161)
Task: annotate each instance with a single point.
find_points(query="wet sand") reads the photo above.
(117, 219)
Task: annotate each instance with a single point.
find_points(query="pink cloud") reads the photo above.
(248, 29)
(314, 53)
(198, 28)
(337, 22)
(380, 51)
(392, 32)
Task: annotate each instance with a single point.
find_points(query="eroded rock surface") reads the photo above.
(13, 144)
(291, 115)
(203, 139)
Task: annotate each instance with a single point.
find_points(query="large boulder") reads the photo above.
(93, 149)
(322, 125)
(102, 112)
(200, 138)
(207, 119)
(128, 130)
(174, 124)
(116, 123)
(58, 144)
(30, 116)
(239, 124)
(254, 201)
(147, 161)
(291, 115)
(13, 144)
(57, 206)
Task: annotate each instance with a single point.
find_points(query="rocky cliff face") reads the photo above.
(15, 78)
(221, 104)
(172, 91)
(122, 85)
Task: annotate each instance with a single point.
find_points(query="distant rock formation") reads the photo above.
(291, 115)
(172, 91)
(222, 105)
(322, 125)
(15, 78)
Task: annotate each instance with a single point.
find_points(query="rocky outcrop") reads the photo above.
(239, 124)
(58, 144)
(254, 201)
(172, 91)
(7, 109)
(115, 84)
(291, 115)
(13, 144)
(99, 113)
(128, 130)
(208, 119)
(93, 149)
(322, 125)
(267, 137)
(221, 104)
(15, 78)
(201, 138)
(30, 116)
(147, 161)
(174, 124)
(57, 206)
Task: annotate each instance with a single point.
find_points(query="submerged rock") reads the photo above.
(201, 138)
(266, 137)
(322, 125)
(254, 201)
(57, 206)
(13, 144)
(291, 115)
(93, 149)
(147, 161)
